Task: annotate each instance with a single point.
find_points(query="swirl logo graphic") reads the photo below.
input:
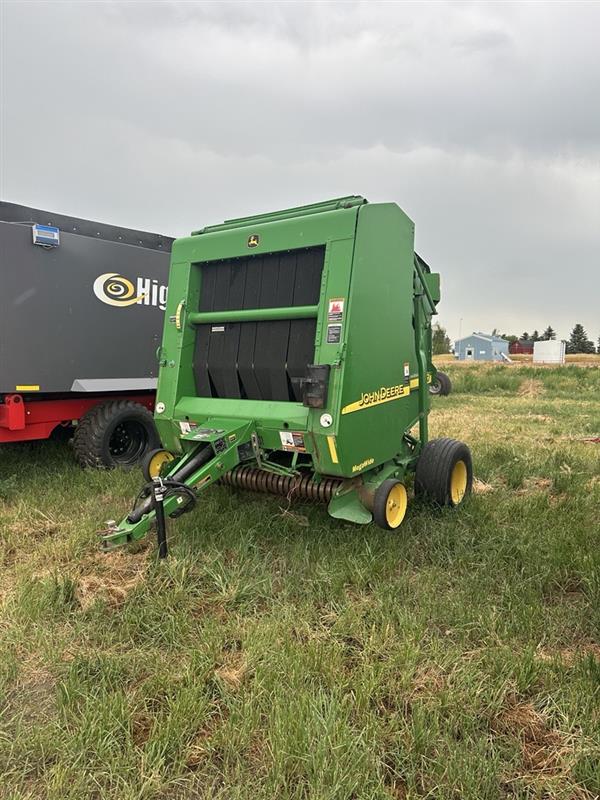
(115, 290)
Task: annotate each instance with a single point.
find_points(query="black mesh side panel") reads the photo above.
(203, 335)
(224, 339)
(247, 344)
(270, 352)
(257, 360)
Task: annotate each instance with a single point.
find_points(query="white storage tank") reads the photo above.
(549, 352)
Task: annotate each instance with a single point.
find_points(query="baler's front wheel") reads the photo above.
(390, 503)
(154, 462)
(444, 472)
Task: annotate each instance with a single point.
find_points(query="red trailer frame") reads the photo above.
(25, 419)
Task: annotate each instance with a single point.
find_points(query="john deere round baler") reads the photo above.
(296, 358)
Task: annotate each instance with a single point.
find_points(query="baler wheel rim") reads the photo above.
(459, 479)
(154, 461)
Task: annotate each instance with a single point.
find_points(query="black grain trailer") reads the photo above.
(81, 314)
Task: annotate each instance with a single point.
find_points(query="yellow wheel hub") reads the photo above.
(395, 505)
(458, 482)
(157, 462)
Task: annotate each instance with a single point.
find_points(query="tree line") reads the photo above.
(578, 341)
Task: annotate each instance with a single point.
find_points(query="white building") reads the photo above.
(549, 352)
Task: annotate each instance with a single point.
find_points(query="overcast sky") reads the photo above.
(482, 121)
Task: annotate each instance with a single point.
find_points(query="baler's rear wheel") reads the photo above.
(444, 472)
(390, 503)
(154, 461)
(440, 384)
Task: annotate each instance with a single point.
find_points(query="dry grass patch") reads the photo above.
(532, 387)
(481, 487)
(535, 484)
(545, 751)
(112, 578)
(570, 655)
(233, 671)
(32, 699)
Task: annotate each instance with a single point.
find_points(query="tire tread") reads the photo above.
(90, 432)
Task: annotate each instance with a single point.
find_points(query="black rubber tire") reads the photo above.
(117, 433)
(434, 470)
(441, 384)
(380, 502)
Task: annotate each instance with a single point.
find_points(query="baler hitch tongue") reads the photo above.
(215, 452)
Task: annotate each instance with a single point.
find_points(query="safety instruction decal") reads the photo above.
(334, 334)
(292, 440)
(336, 310)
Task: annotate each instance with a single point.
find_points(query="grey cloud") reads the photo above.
(481, 120)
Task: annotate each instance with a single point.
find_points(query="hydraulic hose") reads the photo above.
(174, 484)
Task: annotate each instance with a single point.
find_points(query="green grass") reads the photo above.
(291, 656)
(485, 378)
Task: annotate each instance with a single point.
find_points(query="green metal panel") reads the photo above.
(369, 270)
(375, 404)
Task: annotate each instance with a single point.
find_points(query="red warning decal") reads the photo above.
(336, 309)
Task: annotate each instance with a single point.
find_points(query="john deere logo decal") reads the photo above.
(115, 290)
(253, 240)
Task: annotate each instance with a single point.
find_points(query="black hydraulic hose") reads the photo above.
(146, 506)
(199, 460)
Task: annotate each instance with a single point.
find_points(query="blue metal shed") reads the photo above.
(481, 347)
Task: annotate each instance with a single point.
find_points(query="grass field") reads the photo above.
(286, 655)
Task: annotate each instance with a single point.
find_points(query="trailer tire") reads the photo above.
(389, 504)
(444, 472)
(440, 384)
(114, 434)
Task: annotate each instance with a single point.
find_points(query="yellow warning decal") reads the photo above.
(332, 449)
(26, 387)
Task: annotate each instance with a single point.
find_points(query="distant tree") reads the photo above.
(549, 334)
(510, 337)
(579, 342)
(440, 341)
(535, 337)
(525, 335)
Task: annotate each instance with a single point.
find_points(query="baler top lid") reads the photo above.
(286, 213)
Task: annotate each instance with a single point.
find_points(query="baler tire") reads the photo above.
(440, 385)
(385, 516)
(151, 470)
(114, 434)
(444, 472)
